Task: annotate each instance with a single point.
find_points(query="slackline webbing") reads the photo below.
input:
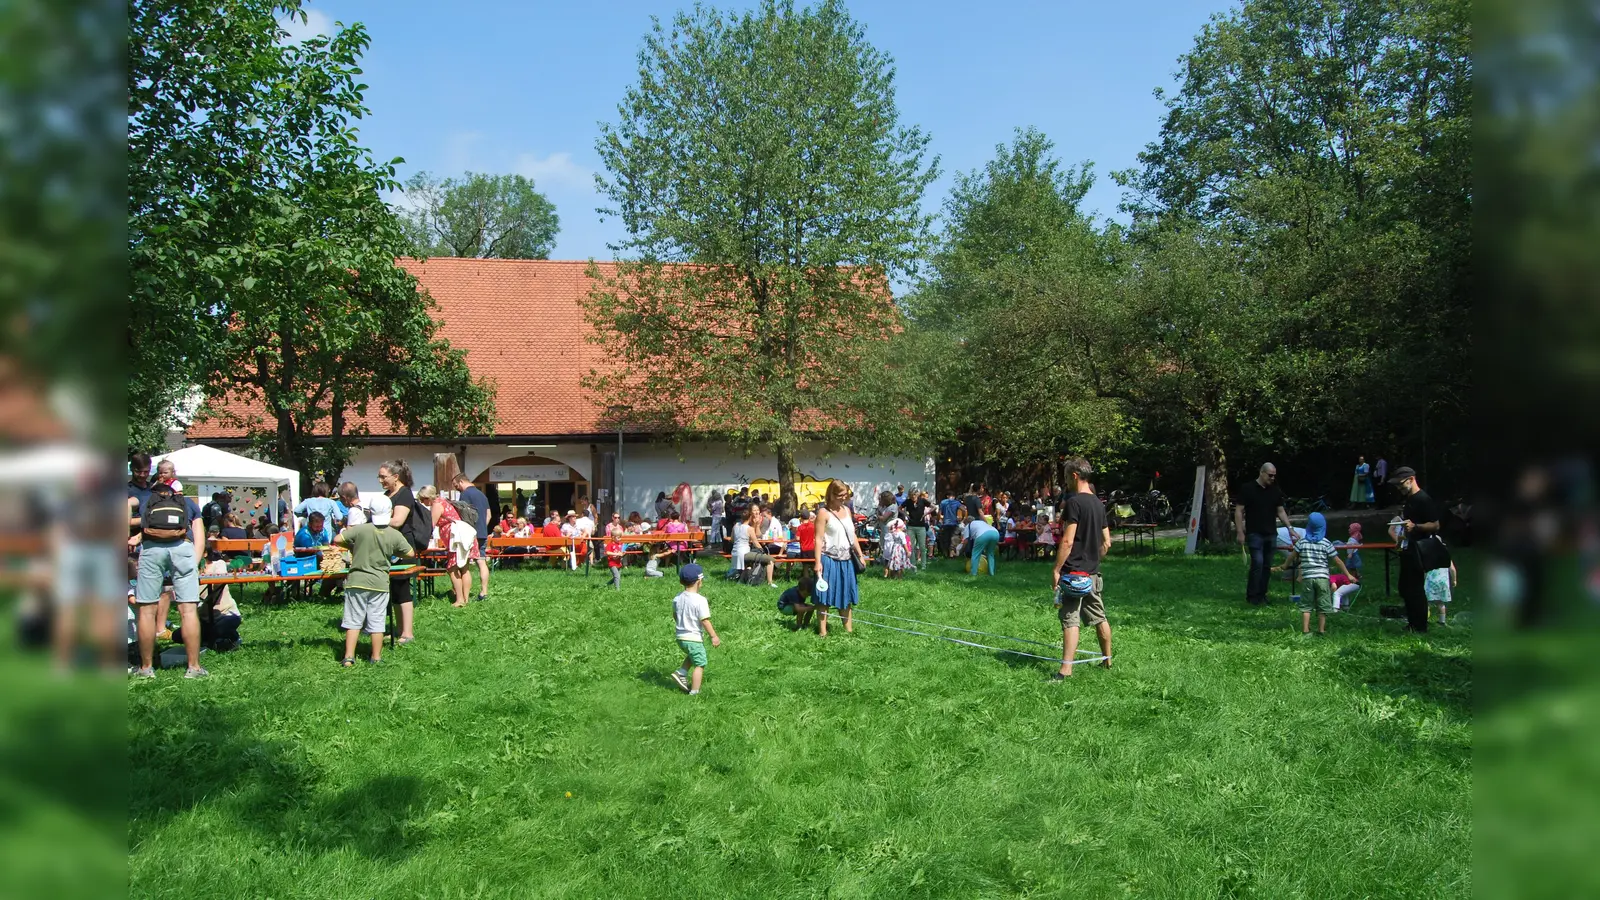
(1054, 659)
(1003, 637)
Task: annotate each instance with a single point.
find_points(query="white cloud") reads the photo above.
(555, 170)
(316, 23)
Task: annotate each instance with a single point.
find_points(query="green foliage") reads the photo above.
(262, 257)
(488, 216)
(1022, 297)
(61, 152)
(873, 764)
(1327, 145)
(762, 153)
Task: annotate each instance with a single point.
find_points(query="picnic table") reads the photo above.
(1391, 551)
(1141, 531)
(217, 582)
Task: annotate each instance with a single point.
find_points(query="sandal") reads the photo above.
(347, 662)
(404, 640)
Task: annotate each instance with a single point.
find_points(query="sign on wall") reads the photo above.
(530, 473)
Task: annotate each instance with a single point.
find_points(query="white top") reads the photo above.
(357, 516)
(569, 530)
(839, 536)
(584, 526)
(741, 539)
(775, 533)
(688, 608)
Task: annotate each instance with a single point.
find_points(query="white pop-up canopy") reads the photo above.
(202, 465)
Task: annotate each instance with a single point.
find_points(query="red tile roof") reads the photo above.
(521, 325)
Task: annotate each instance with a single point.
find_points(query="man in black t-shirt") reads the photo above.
(1420, 517)
(1085, 539)
(1257, 509)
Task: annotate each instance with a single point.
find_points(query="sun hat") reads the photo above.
(1316, 526)
(379, 508)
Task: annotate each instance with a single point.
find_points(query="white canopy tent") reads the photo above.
(54, 463)
(208, 467)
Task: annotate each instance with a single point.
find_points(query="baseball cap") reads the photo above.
(380, 508)
(1401, 474)
(691, 573)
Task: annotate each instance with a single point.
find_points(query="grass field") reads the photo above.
(534, 746)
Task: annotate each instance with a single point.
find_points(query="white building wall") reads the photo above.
(648, 469)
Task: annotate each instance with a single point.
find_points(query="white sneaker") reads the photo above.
(683, 682)
(694, 693)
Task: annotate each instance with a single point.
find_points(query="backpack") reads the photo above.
(467, 513)
(418, 527)
(755, 576)
(166, 519)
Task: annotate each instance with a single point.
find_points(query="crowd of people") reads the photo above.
(169, 537)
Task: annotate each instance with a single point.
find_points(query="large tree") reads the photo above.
(1022, 293)
(769, 194)
(262, 254)
(1324, 148)
(488, 216)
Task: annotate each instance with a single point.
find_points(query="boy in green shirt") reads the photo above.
(366, 588)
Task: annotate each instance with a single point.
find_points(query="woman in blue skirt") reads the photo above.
(837, 553)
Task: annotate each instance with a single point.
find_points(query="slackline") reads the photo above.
(1054, 659)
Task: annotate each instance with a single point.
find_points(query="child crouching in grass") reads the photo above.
(692, 615)
(1312, 553)
(793, 601)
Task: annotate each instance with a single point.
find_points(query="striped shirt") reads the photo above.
(1314, 556)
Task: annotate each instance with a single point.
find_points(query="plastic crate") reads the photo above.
(297, 565)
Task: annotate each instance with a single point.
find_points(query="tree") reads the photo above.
(1324, 148)
(769, 195)
(1022, 292)
(262, 254)
(485, 216)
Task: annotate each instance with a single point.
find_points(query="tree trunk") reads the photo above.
(1218, 509)
(788, 501)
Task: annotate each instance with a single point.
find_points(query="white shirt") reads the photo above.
(688, 608)
(839, 536)
(585, 526)
(741, 539)
(569, 530)
(358, 516)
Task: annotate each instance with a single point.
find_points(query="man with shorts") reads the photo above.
(172, 541)
(479, 501)
(1085, 539)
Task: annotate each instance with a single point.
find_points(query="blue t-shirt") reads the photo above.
(789, 598)
(324, 505)
(951, 510)
(190, 507)
(305, 538)
(476, 499)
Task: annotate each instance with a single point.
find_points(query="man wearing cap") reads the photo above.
(1257, 508)
(1420, 518)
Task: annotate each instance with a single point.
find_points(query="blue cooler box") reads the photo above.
(297, 565)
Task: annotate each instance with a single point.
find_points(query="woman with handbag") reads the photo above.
(839, 559)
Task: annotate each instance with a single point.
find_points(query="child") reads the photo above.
(692, 615)
(1313, 552)
(1436, 585)
(1344, 586)
(792, 602)
(896, 550)
(366, 587)
(1352, 558)
(614, 560)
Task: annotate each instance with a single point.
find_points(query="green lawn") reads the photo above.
(534, 746)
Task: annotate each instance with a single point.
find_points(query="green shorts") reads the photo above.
(787, 609)
(696, 651)
(1316, 595)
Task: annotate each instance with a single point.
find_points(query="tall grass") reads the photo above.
(534, 746)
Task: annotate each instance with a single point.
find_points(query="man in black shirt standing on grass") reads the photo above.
(1085, 538)
(1257, 509)
(1420, 518)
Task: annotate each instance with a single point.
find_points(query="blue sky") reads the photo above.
(498, 86)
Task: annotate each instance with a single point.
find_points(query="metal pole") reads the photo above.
(618, 486)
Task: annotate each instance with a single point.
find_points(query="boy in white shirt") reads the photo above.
(692, 615)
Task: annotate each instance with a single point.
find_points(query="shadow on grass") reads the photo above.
(202, 760)
(660, 680)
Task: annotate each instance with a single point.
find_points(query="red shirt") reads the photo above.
(552, 529)
(807, 535)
